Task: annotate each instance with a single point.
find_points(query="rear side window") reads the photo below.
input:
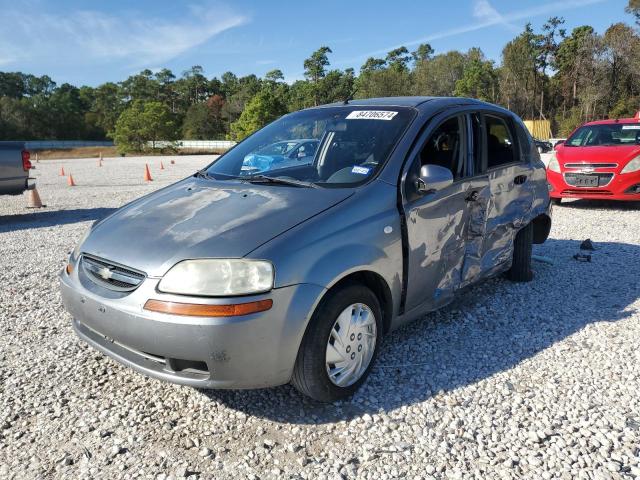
(501, 147)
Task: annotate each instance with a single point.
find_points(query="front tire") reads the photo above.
(520, 270)
(340, 344)
(556, 201)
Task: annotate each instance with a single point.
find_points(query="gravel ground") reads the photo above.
(537, 380)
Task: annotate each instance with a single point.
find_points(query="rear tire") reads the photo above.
(311, 371)
(520, 270)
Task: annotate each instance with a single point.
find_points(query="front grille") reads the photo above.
(110, 275)
(600, 179)
(590, 165)
(586, 191)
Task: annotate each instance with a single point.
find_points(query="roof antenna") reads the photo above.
(350, 96)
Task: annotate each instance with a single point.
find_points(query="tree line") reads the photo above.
(552, 74)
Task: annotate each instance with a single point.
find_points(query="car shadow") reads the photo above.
(47, 218)
(585, 204)
(473, 338)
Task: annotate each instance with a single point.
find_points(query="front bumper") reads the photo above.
(251, 351)
(618, 187)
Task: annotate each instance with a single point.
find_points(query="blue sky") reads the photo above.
(85, 42)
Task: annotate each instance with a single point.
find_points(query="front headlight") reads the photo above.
(218, 277)
(554, 166)
(632, 166)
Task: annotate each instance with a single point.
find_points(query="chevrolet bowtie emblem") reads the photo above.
(105, 273)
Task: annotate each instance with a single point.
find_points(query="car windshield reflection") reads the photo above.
(331, 146)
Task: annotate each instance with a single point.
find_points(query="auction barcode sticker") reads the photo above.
(371, 115)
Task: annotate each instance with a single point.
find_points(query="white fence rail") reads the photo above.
(197, 144)
(58, 144)
(179, 144)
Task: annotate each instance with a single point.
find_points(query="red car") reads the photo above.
(599, 160)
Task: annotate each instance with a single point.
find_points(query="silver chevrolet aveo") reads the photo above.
(245, 278)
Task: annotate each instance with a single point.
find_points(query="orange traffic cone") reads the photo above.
(173, 162)
(147, 173)
(70, 181)
(62, 174)
(33, 199)
(161, 165)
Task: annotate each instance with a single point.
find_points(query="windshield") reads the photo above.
(329, 146)
(279, 148)
(610, 134)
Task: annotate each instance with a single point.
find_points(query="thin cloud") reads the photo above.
(486, 19)
(91, 37)
(485, 12)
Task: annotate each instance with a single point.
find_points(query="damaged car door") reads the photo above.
(445, 227)
(512, 194)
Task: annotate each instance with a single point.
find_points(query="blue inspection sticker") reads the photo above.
(360, 170)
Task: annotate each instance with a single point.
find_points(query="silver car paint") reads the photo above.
(13, 178)
(203, 218)
(252, 351)
(422, 250)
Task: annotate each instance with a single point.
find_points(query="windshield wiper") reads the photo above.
(205, 174)
(281, 180)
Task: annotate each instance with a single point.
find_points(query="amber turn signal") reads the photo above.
(69, 268)
(200, 310)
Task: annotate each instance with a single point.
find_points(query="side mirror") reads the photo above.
(559, 142)
(433, 178)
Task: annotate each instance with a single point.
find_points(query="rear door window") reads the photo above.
(501, 146)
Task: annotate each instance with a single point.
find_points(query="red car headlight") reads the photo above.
(632, 166)
(554, 166)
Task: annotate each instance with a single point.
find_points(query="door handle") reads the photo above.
(520, 179)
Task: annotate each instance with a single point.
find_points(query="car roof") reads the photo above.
(613, 121)
(407, 101)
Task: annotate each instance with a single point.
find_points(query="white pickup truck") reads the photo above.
(15, 163)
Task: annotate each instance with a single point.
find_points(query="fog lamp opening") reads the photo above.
(634, 189)
(202, 310)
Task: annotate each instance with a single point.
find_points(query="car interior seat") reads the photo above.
(336, 156)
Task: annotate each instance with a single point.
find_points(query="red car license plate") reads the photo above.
(581, 180)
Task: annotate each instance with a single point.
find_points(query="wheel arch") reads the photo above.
(541, 228)
(376, 283)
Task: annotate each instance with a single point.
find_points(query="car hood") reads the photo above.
(619, 154)
(198, 218)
